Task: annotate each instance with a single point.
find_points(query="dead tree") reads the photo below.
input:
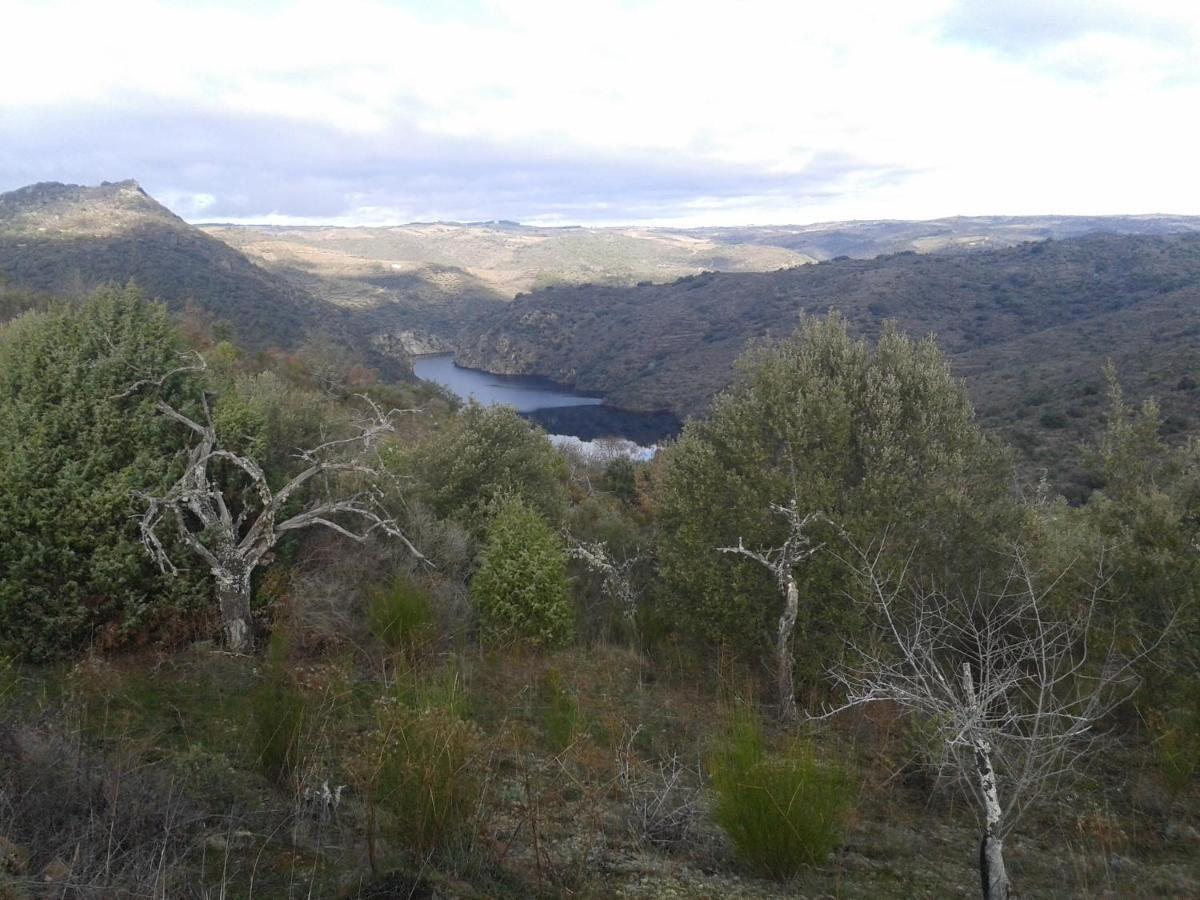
(233, 536)
(1013, 692)
(616, 574)
(781, 562)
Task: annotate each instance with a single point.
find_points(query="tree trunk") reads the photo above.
(783, 654)
(991, 868)
(992, 873)
(233, 595)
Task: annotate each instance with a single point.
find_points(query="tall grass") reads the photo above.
(421, 773)
(277, 716)
(399, 614)
(782, 811)
(559, 711)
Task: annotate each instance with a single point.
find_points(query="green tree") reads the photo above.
(483, 453)
(1146, 514)
(72, 567)
(880, 441)
(520, 588)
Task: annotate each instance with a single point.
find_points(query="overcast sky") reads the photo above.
(609, 111)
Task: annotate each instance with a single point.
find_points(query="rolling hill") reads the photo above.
(1028, 326)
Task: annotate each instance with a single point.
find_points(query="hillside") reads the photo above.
(65, 239)
(504, 258)
(867, 239)
(1028, 326)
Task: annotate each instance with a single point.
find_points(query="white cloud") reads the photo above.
(928, 107)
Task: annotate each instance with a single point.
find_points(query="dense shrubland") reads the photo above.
(570, 690)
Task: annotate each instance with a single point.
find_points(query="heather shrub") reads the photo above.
(782, 811)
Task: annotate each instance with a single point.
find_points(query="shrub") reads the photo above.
(1177, 747)
(483, 454)
(399, 614)
(421, 775)
(781, 811)
(520, 588)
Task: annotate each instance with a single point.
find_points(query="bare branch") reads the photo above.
(234, 545)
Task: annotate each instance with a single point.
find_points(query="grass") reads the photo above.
(448, 772)
(399, 614)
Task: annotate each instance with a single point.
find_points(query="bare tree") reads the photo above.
(781, 562)
(233, 543)
(616, 574)
(1013, 693)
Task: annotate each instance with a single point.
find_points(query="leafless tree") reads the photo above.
(781, 562)
(616, 574)
(233, 536)
(1013, 692)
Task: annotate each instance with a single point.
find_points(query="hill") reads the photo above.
(871, 238)
(65, 239)
(1029, 327)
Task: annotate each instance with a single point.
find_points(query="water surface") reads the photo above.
(572, 419)
(526, 393)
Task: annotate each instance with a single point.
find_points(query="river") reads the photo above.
(569, 417)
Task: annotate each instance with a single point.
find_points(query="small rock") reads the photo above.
(1120, 863)
(56, 870)
(1182, 833)
(14, 859)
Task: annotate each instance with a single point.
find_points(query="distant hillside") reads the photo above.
(1028, 326)
(415, 287)
(505, 258)
(868, 239)
(65, 239)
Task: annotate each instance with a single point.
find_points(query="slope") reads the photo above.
(1028, 326)
(65, 239)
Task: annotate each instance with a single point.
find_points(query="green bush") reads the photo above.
(781, 811)
(399, 614)
(1177, 748)
(520, 588)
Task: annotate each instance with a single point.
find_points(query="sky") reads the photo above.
(667, 112)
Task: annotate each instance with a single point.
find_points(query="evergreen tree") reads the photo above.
(881, 442)
(72, 566)
(520, 588)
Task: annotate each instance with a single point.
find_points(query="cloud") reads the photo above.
(269, 168)
(620, 111)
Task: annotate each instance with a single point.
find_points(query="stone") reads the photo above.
(56, 870)
(14, 859)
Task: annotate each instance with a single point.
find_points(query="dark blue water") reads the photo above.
(559, 410)
(525, 393)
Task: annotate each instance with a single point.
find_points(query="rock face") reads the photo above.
(404, 343)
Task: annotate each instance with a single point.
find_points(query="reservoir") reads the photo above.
(568, 416)
(525, 393)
